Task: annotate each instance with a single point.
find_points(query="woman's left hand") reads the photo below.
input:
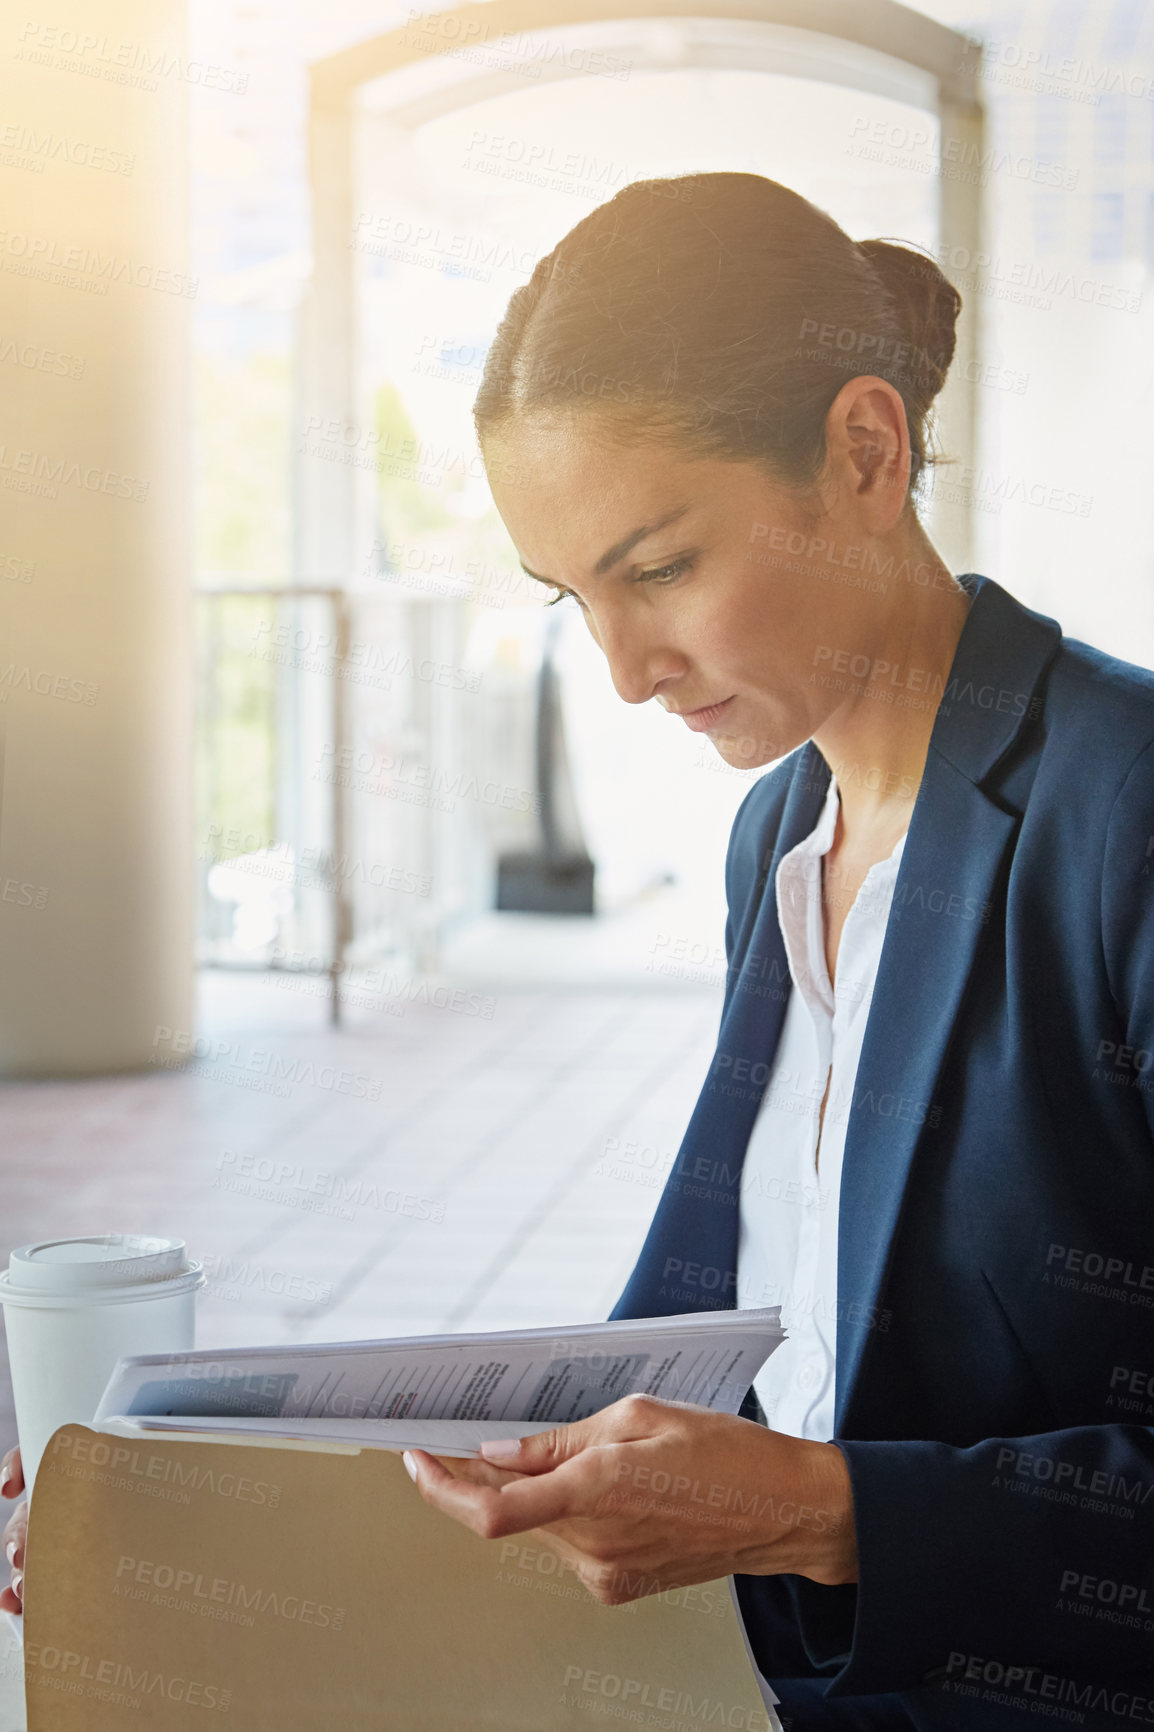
(651, 1494)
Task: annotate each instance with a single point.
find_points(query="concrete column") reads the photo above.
(96, 852)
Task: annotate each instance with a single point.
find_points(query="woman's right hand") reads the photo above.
(11, 1485)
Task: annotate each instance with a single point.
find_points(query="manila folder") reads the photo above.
(196, 1583)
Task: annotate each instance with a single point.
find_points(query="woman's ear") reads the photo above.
(868, 450)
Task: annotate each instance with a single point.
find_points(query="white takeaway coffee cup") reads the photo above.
(73, 1307)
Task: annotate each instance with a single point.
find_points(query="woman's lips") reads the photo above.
(702, 720)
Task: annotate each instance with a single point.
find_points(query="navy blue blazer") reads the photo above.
(995, 1305)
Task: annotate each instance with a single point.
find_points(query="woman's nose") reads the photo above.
(638, 662)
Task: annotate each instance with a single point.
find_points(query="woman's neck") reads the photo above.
(874, 746)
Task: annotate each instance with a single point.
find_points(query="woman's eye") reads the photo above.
(657, 574)
(665, 573)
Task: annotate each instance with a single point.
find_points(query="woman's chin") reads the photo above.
(746, 751)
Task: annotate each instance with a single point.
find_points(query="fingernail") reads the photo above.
(18, 1586)
(10, 1550)
(500, 1448)
(5, 1475)
(410, 1464)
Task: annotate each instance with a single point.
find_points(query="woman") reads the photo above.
(704, 419)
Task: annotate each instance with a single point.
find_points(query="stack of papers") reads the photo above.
(445, 1393)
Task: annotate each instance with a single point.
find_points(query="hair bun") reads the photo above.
(927, 305)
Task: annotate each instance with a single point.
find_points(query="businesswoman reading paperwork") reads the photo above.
(705, 421)
(926, 1131)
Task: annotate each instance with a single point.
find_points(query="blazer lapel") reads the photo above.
(946, 896)
(761, 931)
(925, 964)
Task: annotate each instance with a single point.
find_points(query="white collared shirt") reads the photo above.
(787, 1243)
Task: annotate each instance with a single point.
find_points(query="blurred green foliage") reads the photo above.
(243, 409)
(236, 738)
(408, 505)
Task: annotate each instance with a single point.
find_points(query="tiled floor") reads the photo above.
(432, 1171)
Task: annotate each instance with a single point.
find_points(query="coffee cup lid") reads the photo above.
(95, 1262)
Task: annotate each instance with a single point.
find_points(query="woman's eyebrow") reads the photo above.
(617, 552)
